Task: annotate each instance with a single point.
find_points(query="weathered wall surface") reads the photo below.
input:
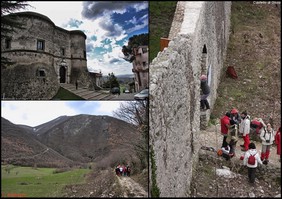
(21, 80)
(175, 92)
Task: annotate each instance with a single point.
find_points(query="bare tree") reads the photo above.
(136, 112)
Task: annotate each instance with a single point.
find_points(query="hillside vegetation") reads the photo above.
(254, 51)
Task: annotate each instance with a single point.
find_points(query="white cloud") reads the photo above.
(139, 26)
(58, 11)
(34, 113)
(108, 107)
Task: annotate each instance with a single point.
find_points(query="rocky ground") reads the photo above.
(254, 51)
(131, 188)
(216, 177)
(105, 183)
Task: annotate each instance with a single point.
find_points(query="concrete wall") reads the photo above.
(28, 59)
(175, 92)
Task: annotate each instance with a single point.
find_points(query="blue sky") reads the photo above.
(107, 24)
(33, 113)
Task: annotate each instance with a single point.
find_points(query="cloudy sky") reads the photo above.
(108, 26)
(33, 113)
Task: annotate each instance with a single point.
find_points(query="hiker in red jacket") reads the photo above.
(278, 142)
(257, 124)
(225, 123)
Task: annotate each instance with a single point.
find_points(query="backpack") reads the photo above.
(252, 159)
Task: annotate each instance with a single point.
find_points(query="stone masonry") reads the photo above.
(198, 47)
(44, 56)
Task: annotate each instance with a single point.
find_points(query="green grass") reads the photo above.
(40, 182)
(155, 191)
(64, 94)
(161, 17)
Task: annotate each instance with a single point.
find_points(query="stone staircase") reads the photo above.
(87, 94)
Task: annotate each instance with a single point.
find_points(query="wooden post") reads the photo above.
(164, 43)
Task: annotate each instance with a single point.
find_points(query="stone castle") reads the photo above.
(43, 56)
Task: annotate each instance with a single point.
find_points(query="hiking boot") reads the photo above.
(242, 145)
(207, 104)
(202, 107)
(265, 162)
(244, 150)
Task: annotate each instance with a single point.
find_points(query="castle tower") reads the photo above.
(43, 56)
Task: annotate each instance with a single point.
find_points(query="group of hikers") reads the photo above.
(122, 170)
(234, 126)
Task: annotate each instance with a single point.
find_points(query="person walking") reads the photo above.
(225, 123)
(267, 138)
(235, 120)
(244, 128)
(76, 84)
(205, 91)
(251, 160)
(278, 142)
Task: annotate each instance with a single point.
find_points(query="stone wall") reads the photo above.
(62, 49)
(175, 91)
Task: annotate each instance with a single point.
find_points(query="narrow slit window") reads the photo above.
(40, 44)
(62, 51)
(8, 43)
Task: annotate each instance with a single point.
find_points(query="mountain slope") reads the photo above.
(69, 140)
(20, 147)
(88, 138)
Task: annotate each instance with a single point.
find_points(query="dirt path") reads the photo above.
(131, 188)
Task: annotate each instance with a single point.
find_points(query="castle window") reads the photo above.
(8, 43)
(84, 54)
(40, 44)
(62, 52)
(41, 73)
(144, 64)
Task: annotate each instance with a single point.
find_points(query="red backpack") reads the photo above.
(252, 159)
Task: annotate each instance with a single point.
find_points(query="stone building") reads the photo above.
(141, 67)
(198, 42)
(44, 56)
(96, 79)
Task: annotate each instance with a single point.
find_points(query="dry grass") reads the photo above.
(254, 51)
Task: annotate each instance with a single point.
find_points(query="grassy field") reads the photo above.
(64, 94)
(40, 182)
(161, 17)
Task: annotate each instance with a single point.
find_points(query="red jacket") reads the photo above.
(258, 125)
(224, 121)
(278, 141)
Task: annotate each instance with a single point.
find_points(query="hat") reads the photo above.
(203, 77)
(234, 111)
